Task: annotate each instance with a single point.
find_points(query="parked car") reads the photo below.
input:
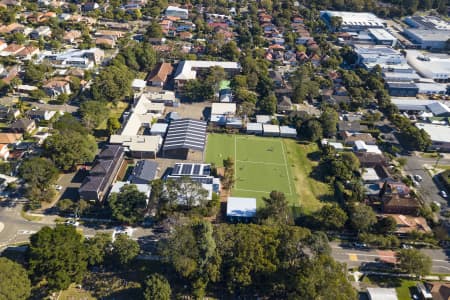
(58, 187)
(443, 194)
(360, 245)
(416, 183)
(72, 222)
(418, 178)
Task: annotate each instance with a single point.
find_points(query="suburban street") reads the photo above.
(14, 229)
(354, 257)
(428, 188)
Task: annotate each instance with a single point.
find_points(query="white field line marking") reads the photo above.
(256, 191)
(235, 163)
(261, 163)
(286, 166)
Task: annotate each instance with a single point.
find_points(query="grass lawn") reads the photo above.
(265, 164)
(72, 293)
(402, 286)
(115, 111)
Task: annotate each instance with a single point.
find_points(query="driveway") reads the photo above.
(64, 108)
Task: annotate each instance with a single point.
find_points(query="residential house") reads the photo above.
(371, 160)
(407, 224)
(12, 50)
(10, 138)
(158, 76)
(23, 126)
(70, 37)
(41, 32)
(438, 290)
(41, 114)
(284, 105)
(8, 113)
(351, 127)
(4, 151)
(396, 199)
(28, 52)
(55, 87)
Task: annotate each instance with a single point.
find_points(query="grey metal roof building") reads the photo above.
(144, 172)
(185, 136)
(95, 186)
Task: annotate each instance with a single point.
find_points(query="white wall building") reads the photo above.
(436, 67)
(353, 21)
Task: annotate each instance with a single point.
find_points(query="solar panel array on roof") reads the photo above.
(196, 169)
(176, 169)
(186, 169)
(185, 134)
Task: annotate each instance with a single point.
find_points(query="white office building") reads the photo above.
(352, 21)
(436, 67)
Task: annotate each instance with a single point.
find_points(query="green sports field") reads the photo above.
(265, 164)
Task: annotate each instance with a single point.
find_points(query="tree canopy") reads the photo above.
(157, 288)
(58, 256)
(128, 205)
(124, 249)
(412, 261)
(14, 281)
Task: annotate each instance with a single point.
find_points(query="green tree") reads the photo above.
(311, 130)
(113, 83)
(14, 281)
(192, 251)
(412, 261)
(321, 278)
(157, 288)
(332, 217)
(58, 256)
(39, 174)
(362, 217)
(93, 113)
(113, 125)
(230, 51)
(329, 119)
(154, 30)
(97, 248)
(124, 249)
(68, 123)
(268, 104)
(385, 225)
(276, 208)
(128, 205)
(70, 148)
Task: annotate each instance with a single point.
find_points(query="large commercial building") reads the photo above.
(436, 67)
(382, 37)
(428, 39)
(427, 32)
(187, 70)
(384, 56)
(440, 135)
(352, 21)
(173, 11)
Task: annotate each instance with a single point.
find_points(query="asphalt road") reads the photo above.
(354, 257)
(428, 188)
(15, 229)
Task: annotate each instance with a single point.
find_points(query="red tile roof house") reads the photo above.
(158, 77)
(56, 87)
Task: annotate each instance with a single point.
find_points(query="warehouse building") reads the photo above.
(436, 67)
(440, 136)
(428, 39)
(185, 139)
(352, 21)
